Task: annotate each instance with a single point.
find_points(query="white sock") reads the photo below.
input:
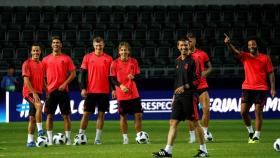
(203, 148)
(68, 134)
(30, 138)
(192, 135)
(125, 136)
(39, 126)
(82, 131)
(168, 149)
(98, 134)
(205, 129)
(50, 138)
(257, 134)
(250, 129)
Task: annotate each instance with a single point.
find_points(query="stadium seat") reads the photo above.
(88, 9)
(42, 35)
(118, 17)
(20, 18)
(22, 53)
(76, 17)
(112, 35)
(28, 35)
(13, 35)
(62, 17)
(201, 16)
(57, 33)
(154, 35)
(6, 18)
(86, 27)
(146, 17)
(140, 34)
(126, 35)
(118, 8)
(8, 54)
(173, 16)
(98, 33)
(136, 52)
(78, 53)
(132, 17)
(34, 17)
(104, 8)
(90, 17)
(76, 9)
(168, 34)
(160, 17)
(67, 50)
(104, 17)
(85, 35)
(2, 35)
(48, 17)
(70, 35)
(187, 16)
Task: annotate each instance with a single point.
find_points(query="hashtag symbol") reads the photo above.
(23, 109)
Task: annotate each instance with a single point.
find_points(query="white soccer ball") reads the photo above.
(59, 138)
(276, 145)
(208, 137)
(80, 139)
(42, 141)
(142, 137)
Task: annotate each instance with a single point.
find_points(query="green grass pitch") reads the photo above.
(230, 140)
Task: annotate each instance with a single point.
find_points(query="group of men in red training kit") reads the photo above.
(100, 75)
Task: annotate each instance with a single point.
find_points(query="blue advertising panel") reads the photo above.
(224, 104)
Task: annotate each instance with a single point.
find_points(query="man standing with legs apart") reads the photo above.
(32, 73)
(205, 67)
(95, 86)
(60, 71)
(185, 100)
(124, 71)
(257, 67)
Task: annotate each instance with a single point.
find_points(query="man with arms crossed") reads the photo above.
(32, 73)
(257, 67)
(95, 86)
(123, 72)
(60, 71)
(185, 100)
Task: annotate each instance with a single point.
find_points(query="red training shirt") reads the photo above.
(256, 70)
(121, 70)
(98, 68)
(34, 71)
(202, 58)
(57, 70)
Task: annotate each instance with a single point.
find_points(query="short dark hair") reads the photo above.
(57, 38)
(36, 45)
(98, 39)
(190, 35)
(11, 66)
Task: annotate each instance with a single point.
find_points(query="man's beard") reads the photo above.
(254, 50)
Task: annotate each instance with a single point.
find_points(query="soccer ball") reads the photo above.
(208, 136)
(42, 141)
(80, 139)
(142, 137)
(276, 145)
(59, 138)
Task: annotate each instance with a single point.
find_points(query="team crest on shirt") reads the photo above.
(62, 62)
(186, 66)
